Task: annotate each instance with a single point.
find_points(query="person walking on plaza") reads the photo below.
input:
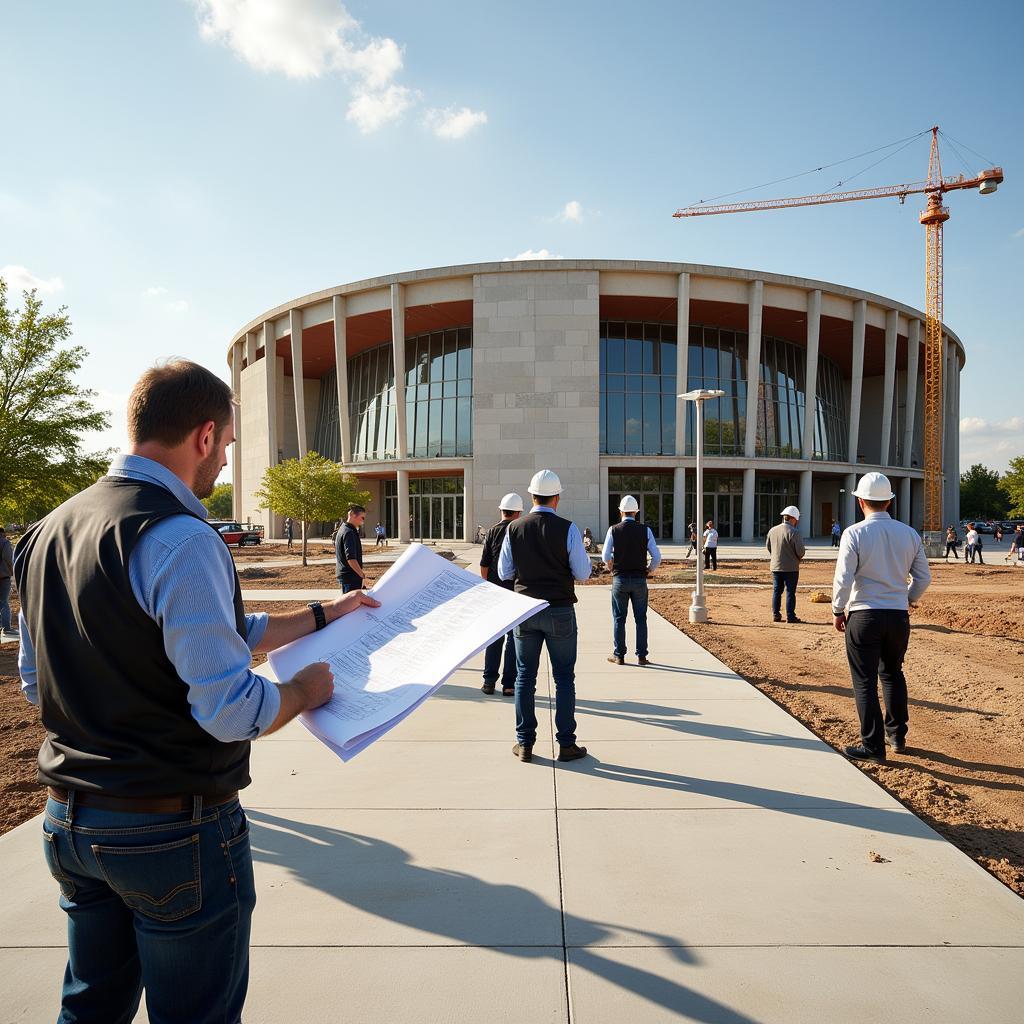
(870, 604)
(1016, 544)
(348, 551)
(710, 546)
(973, 545)
(786, 547)
(7, 630)
(544, 553)
(952, 542)
(588, 540)
(626, 547)
(289, 531)
(381, 536)
(137, 650)
(837, 532)
(511, 508)
(691, 533)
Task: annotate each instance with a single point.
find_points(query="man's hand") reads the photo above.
(313, 684)
(349, 603)
(840, 622)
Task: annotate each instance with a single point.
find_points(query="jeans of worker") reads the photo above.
(555, 627)
(784, 581)
(974, 549)
(951, 546)
(5, 603)
(493, 662)
(161, 901)
(835, 540)
(346, 587)
(626, 590)
(711, 558)
(876, 643)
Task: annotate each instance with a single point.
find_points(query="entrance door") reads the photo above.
(728, 513)
(651, 509)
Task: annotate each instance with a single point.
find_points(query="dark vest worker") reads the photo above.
(626, 547)
(543, 553)
(510, 507)
(348, 551)
(138, 652)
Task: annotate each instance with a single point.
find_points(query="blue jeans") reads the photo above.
(493, 662)
(557, 628)
(626, 589)
(5, 603)
(161, 901)
(787, 581)
(347, 587)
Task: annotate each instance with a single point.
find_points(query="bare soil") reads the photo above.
(963, 771)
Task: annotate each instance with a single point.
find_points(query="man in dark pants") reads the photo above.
(348, 551)
(786, 547)
(137, 650)
(626, 547)
(544, 553)
(870, 602)
(511, 508)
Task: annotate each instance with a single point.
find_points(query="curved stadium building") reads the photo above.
(505, 368)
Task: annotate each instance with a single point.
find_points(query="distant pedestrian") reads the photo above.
(710, 546)
(691, 533)
(7, 631)
(997, 533)
(786, 547)
(381, 536)
(870, 600)
(289, 532)
(952, 542)
(348, 551)
(626, 547)
(511, 508)
(974, 545)
(1016, 545)
(837, 532)
(588, 540)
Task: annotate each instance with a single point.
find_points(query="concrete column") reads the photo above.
(236, 448)
(849, 502)
(755, 297)
(468, 511)
(747, 509)
(398, 346)
(889, 384)
(811, 372)
(954, 515)
(679, 504)
(270, 356)
(341, 372)
(295, 326)
(805, 504)
(950, 428)
(602, 502)
(403, 506)
(250, 348)
(860, 312)
(913, 354)
(682, 370)
(903, 512)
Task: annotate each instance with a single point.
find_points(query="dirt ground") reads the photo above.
(963, 771)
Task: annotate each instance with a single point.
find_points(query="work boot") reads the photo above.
(487, 688)
(898, 746)
(616, 659)
(642, 660)
(859, 752)
(508, 691)
(572, 753)
(776, 617)
(523, 751)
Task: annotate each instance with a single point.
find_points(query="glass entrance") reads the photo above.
(653, 492)
(723, 502)
(435, 508)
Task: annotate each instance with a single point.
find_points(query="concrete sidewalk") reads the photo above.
(710, 862)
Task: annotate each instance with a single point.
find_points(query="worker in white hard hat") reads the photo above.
(511, 508)
(870, 602)
(543, 553)
(627, 546)
(786, 547)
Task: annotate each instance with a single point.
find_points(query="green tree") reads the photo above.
(980, 493)
(1012, 485)
(43, 412)
(220, 503)
(310, 490)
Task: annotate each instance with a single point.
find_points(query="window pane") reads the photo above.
(465, 426)
(634, 355)
(448, 433)
(634, 424)
(616, 357)
(451, 341)
(465, 356)
(616, 422)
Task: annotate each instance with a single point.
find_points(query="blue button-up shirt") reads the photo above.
(652, 547)
(579, 560)
(183, 576)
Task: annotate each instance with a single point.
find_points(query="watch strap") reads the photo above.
(318, 614)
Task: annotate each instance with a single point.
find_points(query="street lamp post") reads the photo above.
(698, 608)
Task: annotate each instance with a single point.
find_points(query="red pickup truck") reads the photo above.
(235, 533)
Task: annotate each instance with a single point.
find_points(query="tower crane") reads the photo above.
(932, 217)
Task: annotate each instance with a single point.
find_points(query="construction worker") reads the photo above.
(870, 600)
(786, 547)
(626, 547)
(544, 553)
(511, 508)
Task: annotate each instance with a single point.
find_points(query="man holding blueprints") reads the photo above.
(544, 554)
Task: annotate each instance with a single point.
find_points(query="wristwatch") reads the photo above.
(318, 614)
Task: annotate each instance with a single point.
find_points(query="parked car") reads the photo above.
(236, 533)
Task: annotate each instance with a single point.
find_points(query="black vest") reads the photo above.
(629, 548)
(540, 552)
(491, 554)
(116, 712)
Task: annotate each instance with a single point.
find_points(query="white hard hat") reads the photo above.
(511, 503)
(791, 510)
(545, 483)
(874, 487)
(628, 504)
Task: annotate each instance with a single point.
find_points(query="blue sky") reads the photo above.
(172, 168)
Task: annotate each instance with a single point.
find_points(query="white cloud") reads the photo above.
(993, 443)
(156, 289)
(372, 110)
(177, 306)
(449, 123)
(1019, 233)
(572, 212)
(533, 254)
(21, 279)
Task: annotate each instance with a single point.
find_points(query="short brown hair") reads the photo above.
(168, 402)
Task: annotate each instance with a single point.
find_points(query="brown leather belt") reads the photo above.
(138, 805)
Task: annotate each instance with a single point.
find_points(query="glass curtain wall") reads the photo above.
(653, 492)
(717, 361)
(327, 435)
(830, 423)
(780, 402)
(371, 403)
(439, 393)
(435, 507)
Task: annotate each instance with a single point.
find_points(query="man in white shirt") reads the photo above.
(870, 601)
(973, 543)
(711, 546)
